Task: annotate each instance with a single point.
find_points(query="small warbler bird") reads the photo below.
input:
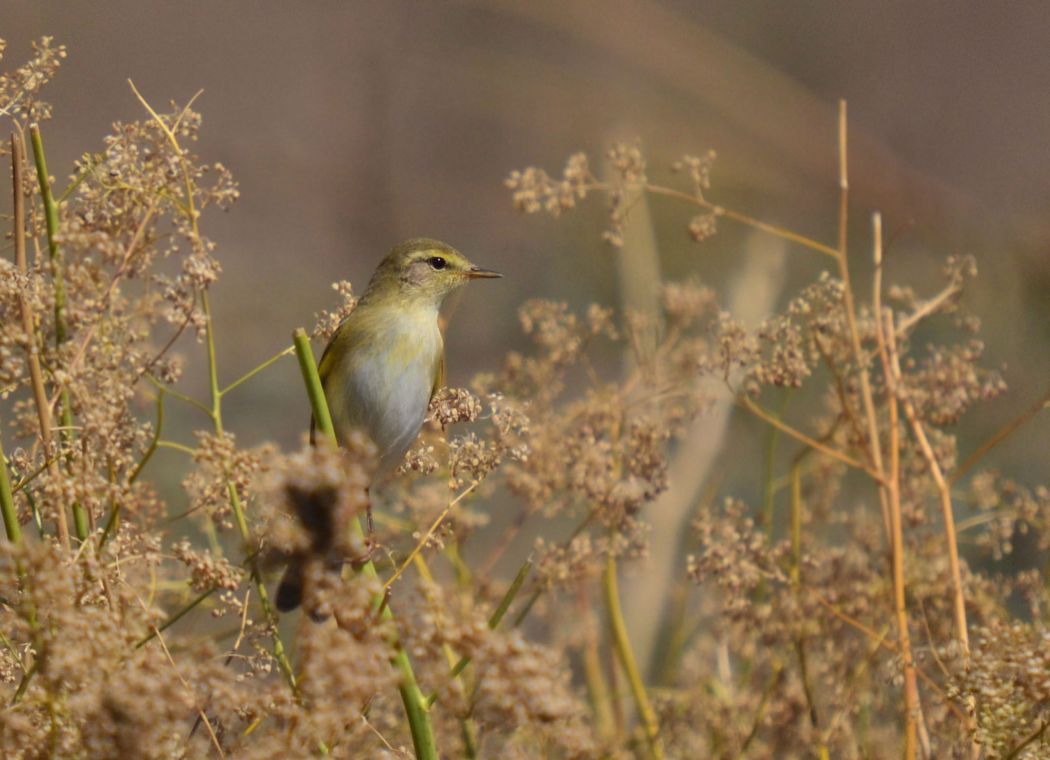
(387, 359)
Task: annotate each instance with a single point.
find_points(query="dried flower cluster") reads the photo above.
(799, 649)
(837, 621)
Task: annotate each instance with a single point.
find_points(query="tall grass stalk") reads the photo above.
(415, 703)
(80, 516)
(625, 654)
(7, 502)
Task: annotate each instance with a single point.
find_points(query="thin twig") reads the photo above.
(798, 435)
(178, 395)
(216, 398)
(947, 515)
(430, 532)
(114, 516)
(253, 372)
(736, 216)
(1001, 435)
(174, 618)
(200, 710)
(771, 685)
(148, 366)
(1032, 737)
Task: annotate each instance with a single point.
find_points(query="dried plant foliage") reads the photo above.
(154, 635)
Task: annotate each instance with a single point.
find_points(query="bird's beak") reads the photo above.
(477, 273)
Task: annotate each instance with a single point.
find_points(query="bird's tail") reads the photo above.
(290, 590)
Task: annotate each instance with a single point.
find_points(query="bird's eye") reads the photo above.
(436, 262)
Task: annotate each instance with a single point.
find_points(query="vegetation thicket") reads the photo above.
(837, 618)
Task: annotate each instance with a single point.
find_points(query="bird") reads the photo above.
(386, 360)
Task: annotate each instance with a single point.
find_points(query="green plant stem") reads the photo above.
(172, 619)
(176, 446)
(760, 711)
(527, 607)
(51, 221)
(467, 728)
(80, 516)
(253, 372)
(84, 174)
(796, 586)
(493, 622)
(176, 394)
(624, 653)
(411, 695)
(593, 676)
(152, 448)
(114, 516)
(768, 494)
(279, 652)
(7, 503)
(37, 519)
(28, 478)
(314, 390)
(24, 684)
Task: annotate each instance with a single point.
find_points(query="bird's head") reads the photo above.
(424, 271)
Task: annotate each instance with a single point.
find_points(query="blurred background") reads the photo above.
(351, 126)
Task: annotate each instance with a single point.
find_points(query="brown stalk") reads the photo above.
(880, 639)
(36, 376)
(891, 497)
(891, 488)
(848, 303)
(928, 307)
(736, 216)
(944, 490)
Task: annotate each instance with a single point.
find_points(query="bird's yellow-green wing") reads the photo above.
(439, 375)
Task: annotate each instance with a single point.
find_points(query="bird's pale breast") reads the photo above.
(387, 384)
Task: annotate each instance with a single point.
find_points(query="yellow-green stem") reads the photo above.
(467, 729)
(624, 653)
(594, 677)
(80, 517)
(51, 221)
(174, 618)
(411, 695)
(494, 620)
(238, 510)
(7, 503)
